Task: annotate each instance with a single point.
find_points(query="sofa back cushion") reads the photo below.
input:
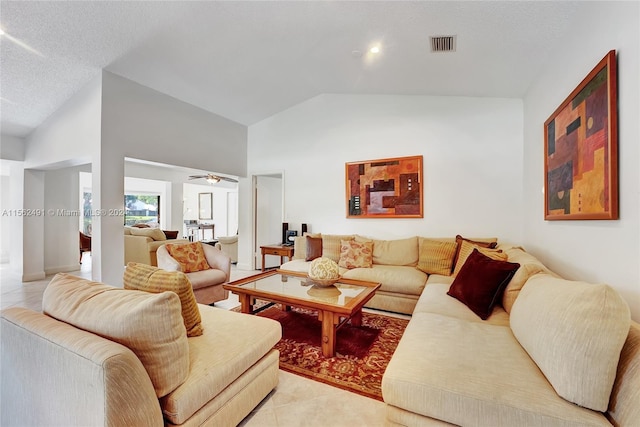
(143, 277)
(574, 332)
(436, 256)
(149, 324)
(154, 233)
(396, 252)
(529, 266)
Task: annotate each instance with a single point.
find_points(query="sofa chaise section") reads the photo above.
(58, 373)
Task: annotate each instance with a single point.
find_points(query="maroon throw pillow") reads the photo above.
(170, 234)
(314, 248)
(481, 281)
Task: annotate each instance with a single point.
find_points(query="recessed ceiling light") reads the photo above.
(375, 49)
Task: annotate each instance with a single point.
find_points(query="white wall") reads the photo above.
(61, 223)
(5, 219)
(594, 251)
(220, 197)
(472, 150)
(11, 147)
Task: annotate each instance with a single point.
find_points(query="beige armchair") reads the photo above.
(229, 245)
(207, 284)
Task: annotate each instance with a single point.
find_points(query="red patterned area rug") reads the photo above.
(362, 353)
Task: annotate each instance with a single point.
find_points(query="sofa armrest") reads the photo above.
(165, 261)
(218, 260)
(136, 249)
(106, 377)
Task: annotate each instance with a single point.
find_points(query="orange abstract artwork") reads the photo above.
(581, 174)
(385, 188)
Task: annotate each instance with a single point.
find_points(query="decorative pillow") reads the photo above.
(355, 254)
(314, 248)
(300, 245)
(143, 277)
(480, 283)
(331, 245)
(489, 242)
(436, 256)
(396, 252)
(149, 324)
(190, 256)
(170, 234)
(574, 332)
(466, 248)
(154, 233)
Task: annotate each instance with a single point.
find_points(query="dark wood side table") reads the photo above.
(278, 250)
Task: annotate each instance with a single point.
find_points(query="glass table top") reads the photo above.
(339, 294)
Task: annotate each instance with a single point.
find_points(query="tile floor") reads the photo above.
(296, 401)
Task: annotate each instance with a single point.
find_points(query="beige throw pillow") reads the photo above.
(143, 277)
(574, 332)
(149, 324)
(436, 256)
(467, 247)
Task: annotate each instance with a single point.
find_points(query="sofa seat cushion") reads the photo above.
(230, 345)
(574, 331)
(204, 278)
(393, 278)
(151, 325)
(435, 300)
(463, 372)
(299, 265)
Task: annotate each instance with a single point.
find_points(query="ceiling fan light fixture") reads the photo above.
(213, 179)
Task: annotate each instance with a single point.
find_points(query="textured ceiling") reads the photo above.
(249, 60)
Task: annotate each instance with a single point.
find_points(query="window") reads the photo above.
(140, 208)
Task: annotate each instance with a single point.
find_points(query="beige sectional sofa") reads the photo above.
(104, 356)
(394, 266)
(552, 352)
(141, 244)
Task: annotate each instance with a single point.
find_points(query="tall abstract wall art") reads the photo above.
(385, 188)
(581, 150)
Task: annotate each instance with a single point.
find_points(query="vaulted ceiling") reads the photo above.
(249, 60)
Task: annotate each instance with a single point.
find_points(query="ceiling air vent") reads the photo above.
(443, 43)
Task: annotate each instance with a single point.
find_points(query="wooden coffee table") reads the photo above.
(336, 305)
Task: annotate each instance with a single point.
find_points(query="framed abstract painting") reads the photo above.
(581, 150)
(385, 188)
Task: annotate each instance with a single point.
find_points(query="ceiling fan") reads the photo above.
(212, 179)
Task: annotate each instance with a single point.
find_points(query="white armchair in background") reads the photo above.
(229, 246)
(207, 284)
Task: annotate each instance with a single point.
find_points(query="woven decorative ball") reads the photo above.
(324, 271)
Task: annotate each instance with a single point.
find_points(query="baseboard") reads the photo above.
(33, 276)
(61, 269)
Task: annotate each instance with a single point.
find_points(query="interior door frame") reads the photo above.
(256, 255)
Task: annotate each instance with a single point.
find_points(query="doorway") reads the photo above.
(268, 190)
